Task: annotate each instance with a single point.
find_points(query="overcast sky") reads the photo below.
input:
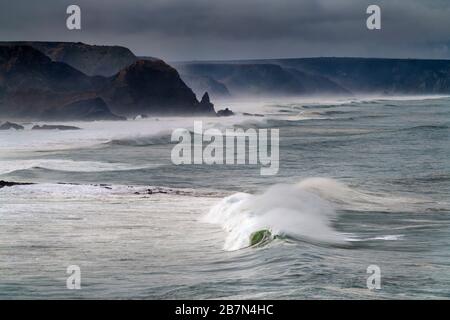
(238, 29)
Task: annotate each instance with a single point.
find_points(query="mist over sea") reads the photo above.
(362, 181)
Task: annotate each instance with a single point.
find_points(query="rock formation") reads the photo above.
(319, 76)
(152, 87)
(225, 113)
(90, 59)
(11, 184)
(34, 87)
(54, 127)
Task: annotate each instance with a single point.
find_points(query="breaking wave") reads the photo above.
(285, 210)
(304, 211)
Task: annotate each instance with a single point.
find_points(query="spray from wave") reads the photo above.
(284, 210)
(304, 211)
(348, 198)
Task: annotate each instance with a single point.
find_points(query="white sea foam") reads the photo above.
(393, 237)
(140, 132)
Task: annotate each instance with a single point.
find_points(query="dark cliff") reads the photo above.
(32, 86)
(315, 76)
(151, 87)
(380, 76)
(90, 59)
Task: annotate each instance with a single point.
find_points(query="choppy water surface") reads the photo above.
(361, 182)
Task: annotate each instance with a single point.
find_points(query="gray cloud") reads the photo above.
(232, 29)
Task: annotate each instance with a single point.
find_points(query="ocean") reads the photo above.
(362, 182)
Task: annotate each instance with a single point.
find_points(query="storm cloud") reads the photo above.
(239, 29)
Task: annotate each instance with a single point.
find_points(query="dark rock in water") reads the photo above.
(253, 114)
(9, 125)
(11, 184)
(205, 103)
(225, 113)
(205, 98)
(54, 127)
(161, 190)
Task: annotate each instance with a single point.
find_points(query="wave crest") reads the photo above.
(284, 210)
(303, 211)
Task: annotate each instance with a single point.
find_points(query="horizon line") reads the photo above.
(233, 59)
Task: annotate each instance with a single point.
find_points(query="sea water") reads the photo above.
(362, 181)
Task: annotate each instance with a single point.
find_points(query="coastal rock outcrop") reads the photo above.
(54, 127)
(225, 113)
(153, 88)
(11, 184)
(33, 87)
(92, 60)
(205, 103)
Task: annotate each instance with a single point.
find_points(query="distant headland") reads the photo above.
(64, 81)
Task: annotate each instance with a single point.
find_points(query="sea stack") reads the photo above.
(225, 113)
